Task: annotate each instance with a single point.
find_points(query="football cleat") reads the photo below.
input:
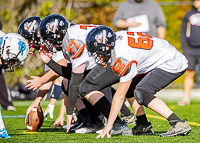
(178, 128)
(76, 127)
(92, 128)
(4, 134)
(72, 124)
(11, 108)
(146, 129)
(129, 119)
(118, 128)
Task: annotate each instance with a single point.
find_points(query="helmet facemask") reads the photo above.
(53, 44)
(11, 62)
(103, 55)
(35, 41)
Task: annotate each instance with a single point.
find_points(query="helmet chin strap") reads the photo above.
(9, 70)
(103, 63)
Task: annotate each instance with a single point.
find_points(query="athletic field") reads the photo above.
(15, 125)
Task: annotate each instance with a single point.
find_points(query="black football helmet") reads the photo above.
(29, 30)
(99, 42)
(52, 30)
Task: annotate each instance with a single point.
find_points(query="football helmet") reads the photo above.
(14, 51)
(1, 33)
(52, 30)
(29, 30)
(99, 42)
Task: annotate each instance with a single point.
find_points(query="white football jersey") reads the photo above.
(56, 57)
(136, 53)
(74, 46)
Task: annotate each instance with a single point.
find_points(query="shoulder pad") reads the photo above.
(72, 48)
(122, 66)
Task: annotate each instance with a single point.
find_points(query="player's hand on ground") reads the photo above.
(45, 55)
(34, 83)
(106, 131)
(69, 121)
(59, 122)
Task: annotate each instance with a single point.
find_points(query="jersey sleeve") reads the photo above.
(125, 69)
(58, 56)
(130, 75)
(75, 51)
(72, 47)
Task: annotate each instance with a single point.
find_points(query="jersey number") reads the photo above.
(120, 68)
(143, 42)
(69, 48)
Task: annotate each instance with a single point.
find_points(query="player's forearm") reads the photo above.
(49, 76)
(115, 108)
(76, 79)
(118, 100)
(60, 70)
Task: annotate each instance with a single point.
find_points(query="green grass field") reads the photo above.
(16, 127)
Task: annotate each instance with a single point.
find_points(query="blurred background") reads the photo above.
(12, 12)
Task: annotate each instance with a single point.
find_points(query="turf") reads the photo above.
(17, 129)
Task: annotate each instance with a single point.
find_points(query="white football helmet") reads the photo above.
(1, 33)
(14, 50)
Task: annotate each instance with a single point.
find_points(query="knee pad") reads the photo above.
(143, 97)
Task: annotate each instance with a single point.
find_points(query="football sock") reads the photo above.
(1, 122)
(142, 120)
(173, 118)
(125, 111)
(104, 106)
(85, 116)
(93, 112)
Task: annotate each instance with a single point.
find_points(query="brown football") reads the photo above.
(34, 120)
